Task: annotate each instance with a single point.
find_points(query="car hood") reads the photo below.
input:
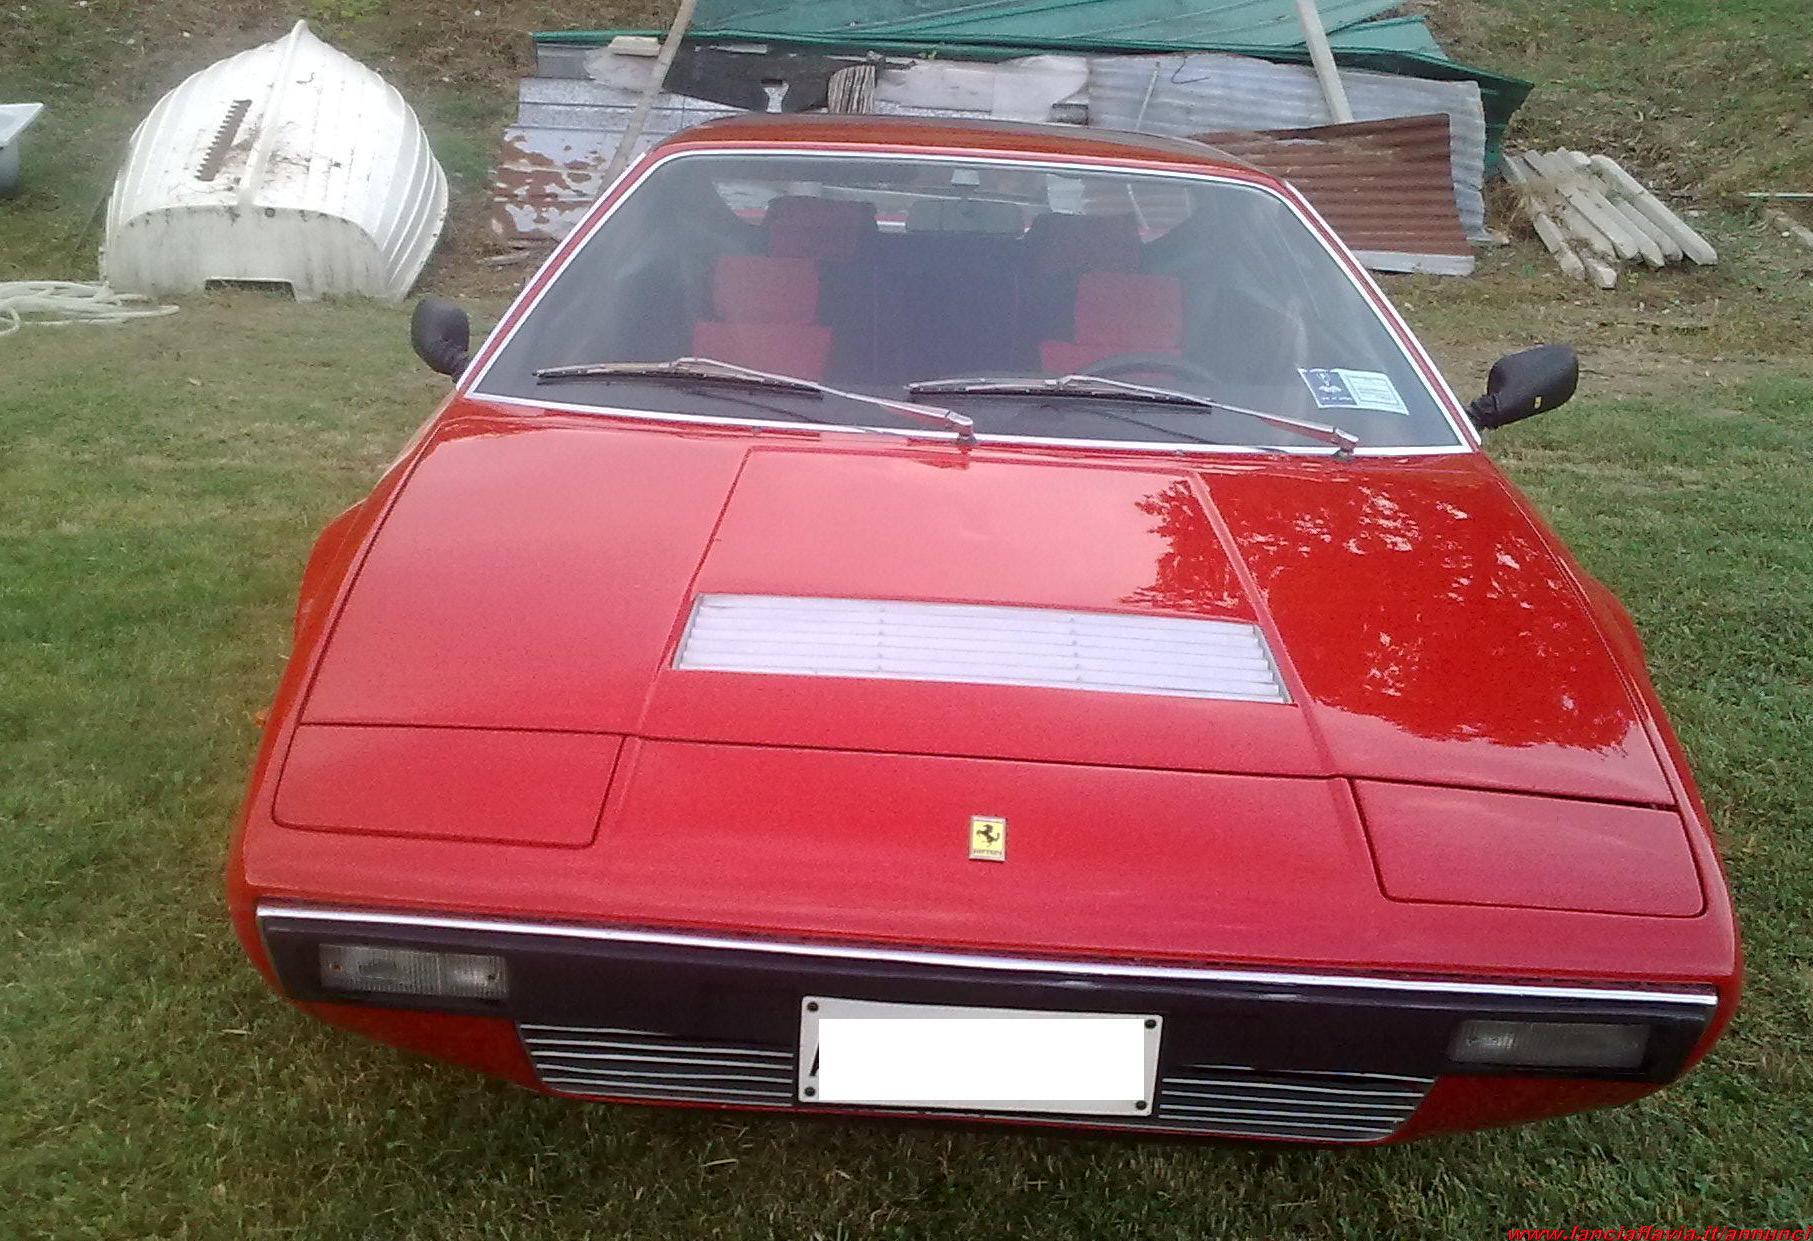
(1424, 627)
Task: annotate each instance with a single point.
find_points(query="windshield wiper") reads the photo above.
(1344, 442)
(695, 368)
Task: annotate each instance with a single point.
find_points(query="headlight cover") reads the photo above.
(368, 970)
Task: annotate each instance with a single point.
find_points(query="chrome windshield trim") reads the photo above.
(982, 439)
(979, 961)
(1396, 327)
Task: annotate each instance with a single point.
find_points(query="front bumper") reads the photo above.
(667, 1017)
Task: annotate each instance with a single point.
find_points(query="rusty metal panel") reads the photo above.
(1384, 186)
(1188, 95)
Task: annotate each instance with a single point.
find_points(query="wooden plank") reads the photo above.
(1572, 186)
(1665, 240)
(1647, 244)
(1691, 243)
(1546, 228)
(1566, 213)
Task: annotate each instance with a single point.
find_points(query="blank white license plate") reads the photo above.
(990, 1059)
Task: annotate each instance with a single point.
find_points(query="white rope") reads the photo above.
(68, 302)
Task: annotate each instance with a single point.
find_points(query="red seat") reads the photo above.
(1059, 249)
(1118, 312)
(766, 316)
(825, 230)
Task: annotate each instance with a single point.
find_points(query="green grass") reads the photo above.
(1707, 97)
(163, 481)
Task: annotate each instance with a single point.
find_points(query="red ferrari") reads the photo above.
(966, 620)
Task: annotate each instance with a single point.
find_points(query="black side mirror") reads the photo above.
(442, 335)
(1526, 383)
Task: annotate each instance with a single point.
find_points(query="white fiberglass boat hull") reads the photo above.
(291, 163)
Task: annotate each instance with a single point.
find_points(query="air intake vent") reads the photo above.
(1320, 1107)
(633, 1064)
(1044, 647)
(1220, 1100)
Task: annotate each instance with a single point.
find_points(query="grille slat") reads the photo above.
(1211, 1099)
(1253, 1127)
(780, 1069)
(1358, 1120)
(678, 1048)
(1293, 1088)
(685, 1094)
(632, 1064)
(1222, 1100)
(1335, 1107)
(661, 1076)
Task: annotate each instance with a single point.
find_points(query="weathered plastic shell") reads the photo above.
(290, 163)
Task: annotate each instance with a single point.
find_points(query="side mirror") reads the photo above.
(1526, 383)
(442, 335)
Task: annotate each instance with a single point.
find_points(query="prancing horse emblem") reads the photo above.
(987, 838)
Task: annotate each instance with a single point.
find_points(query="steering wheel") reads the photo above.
(1124, 364)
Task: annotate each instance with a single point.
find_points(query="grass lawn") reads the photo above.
(159, 487)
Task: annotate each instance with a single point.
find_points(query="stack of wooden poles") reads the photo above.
(1594, 216)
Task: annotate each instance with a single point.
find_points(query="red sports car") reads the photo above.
(987, 621)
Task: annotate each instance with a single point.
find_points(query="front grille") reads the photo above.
(1222, 1100)
(633, 1064)
(1326, 1107)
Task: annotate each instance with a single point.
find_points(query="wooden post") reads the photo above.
(1789, 225)
(1320, 55)
(632, 130)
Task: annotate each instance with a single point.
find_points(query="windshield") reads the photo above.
(872, 274)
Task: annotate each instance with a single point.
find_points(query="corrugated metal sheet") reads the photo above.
(582, 94)
(1398, 45)
(1383, 185)
(569, 117)
(289, 163)
(1271, 23)
(1194, 94)
(1388, 34)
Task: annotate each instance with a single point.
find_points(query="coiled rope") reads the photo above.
(60, 303)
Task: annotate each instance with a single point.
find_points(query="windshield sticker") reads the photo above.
(1335, 388)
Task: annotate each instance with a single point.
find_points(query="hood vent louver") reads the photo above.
(1047, 648)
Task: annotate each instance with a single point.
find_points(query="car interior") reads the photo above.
(870, 288)
(818, 287)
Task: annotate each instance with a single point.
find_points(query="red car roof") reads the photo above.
(959, 134)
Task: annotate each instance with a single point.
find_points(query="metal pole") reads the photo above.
(1324, 60)
(632, 131)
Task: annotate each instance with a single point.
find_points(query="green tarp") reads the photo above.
(1000, 29)
(1254, 23)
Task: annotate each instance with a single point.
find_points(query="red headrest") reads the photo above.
(1074, 243)
(1129, 311)
(752, 288)
(825, 229)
